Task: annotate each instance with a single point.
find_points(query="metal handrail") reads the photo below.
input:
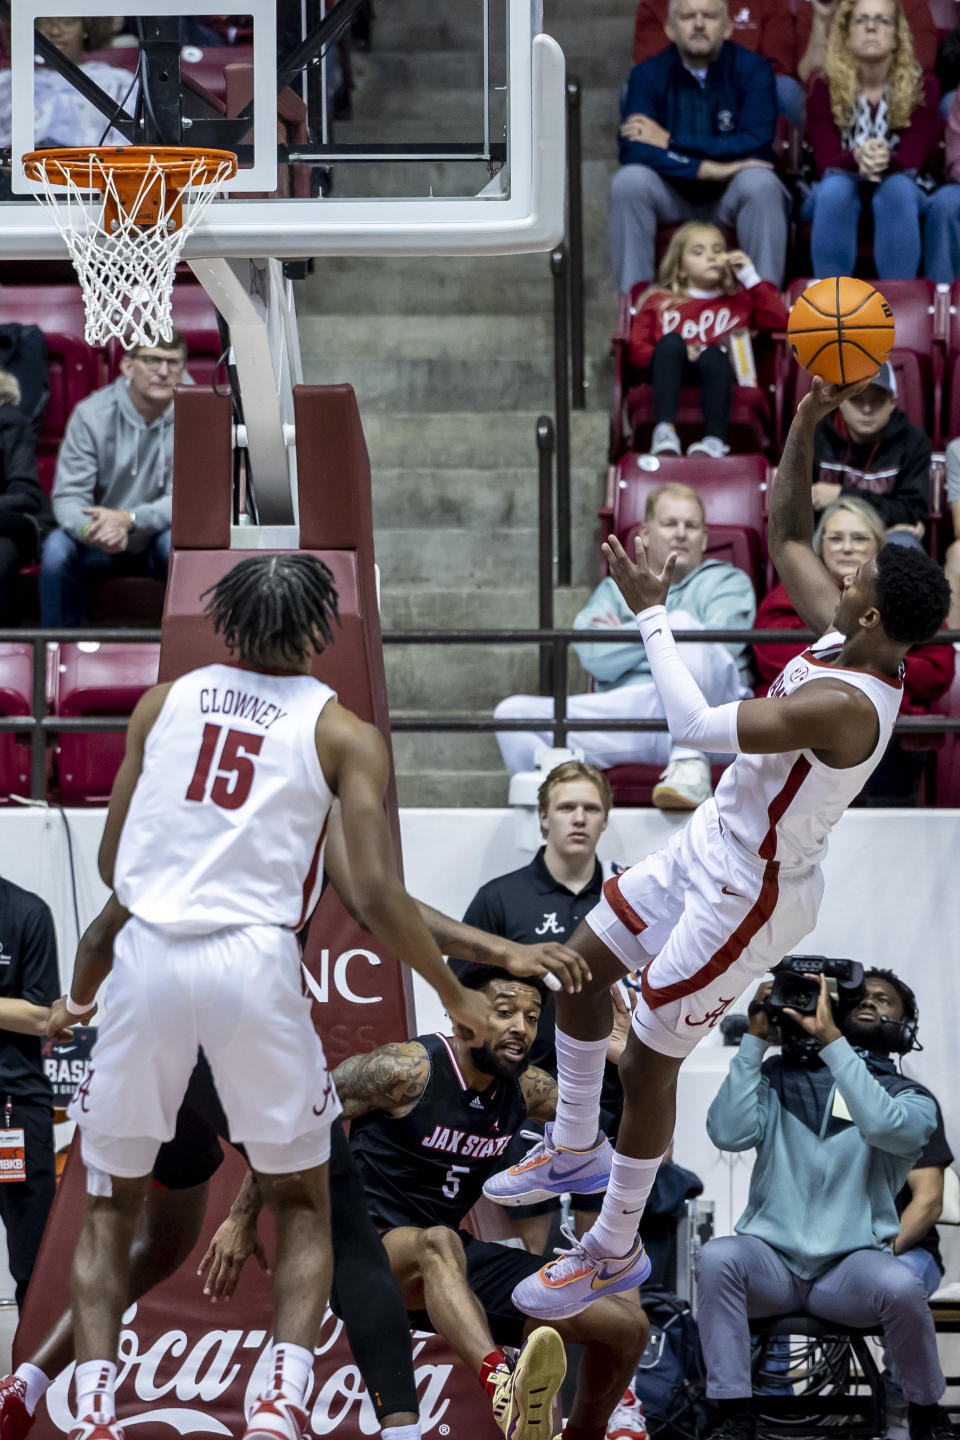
(578, 384)
(39, 724)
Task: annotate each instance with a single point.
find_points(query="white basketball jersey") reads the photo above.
(783, 807)
(227, 821)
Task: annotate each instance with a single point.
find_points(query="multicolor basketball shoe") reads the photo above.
(523, 1398)
(567, 1285)
(549, 1170)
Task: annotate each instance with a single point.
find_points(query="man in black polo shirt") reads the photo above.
(29, 984)
(544, 901)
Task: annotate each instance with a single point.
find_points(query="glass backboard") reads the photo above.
(266, 80)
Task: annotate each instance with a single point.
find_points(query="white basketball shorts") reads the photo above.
(701, 918)
(238, 993)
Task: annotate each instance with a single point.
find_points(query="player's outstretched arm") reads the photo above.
(91, 967)
(147, 709)
(790, 522)
(390, 1078)
(834, 719)
(561, 967)
(355, 763)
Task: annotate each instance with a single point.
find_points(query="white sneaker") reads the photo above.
(684, 785)
(710, 445)
(665, 440)
(627, 1421)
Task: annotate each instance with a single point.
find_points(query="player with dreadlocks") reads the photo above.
(213, 844)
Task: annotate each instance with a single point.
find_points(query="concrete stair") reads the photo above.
(452, 362)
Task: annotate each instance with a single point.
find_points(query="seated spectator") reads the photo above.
(705, 594)
(763, 26)
(836, 1134)
(814, 17)
(851, 534)
(25, 512)
(696, 143)
(874, 125)
(681, 334)
(941, 226)
(114, 483)
(869, 448)
(61, 115)
(948, 68)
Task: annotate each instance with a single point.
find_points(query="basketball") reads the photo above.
(841, 329)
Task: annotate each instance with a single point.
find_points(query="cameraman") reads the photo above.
(837, 1133)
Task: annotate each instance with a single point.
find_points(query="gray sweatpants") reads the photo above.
(740, 1278)
(754, 203)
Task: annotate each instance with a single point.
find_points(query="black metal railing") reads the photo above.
(569, 382)
(553, 643)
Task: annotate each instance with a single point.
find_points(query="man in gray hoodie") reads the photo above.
(112, 492)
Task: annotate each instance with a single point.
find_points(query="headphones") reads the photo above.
(905, 1038)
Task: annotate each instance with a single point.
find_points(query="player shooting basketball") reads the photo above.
(740, 885)
(214, 844)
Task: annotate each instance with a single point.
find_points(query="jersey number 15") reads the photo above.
(234, 769)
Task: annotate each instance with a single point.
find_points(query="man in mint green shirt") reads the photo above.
(705, 594)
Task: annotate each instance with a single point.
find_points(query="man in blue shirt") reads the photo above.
(836, 1138)
(696, 143)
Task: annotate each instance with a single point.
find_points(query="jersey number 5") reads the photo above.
(235, 771)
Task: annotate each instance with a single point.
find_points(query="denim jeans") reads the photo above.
(834, 207)
(66, 566)
(941, 235)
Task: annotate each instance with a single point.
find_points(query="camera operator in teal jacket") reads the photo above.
(837, 1130)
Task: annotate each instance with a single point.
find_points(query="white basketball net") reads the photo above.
(127, 273)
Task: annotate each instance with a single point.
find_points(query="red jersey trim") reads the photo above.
(311, 879)
(854, 670)
(623, 910)
(729, 952)
(453, 1060)
(758, 914)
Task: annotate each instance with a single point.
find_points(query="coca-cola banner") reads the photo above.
(189, 1367)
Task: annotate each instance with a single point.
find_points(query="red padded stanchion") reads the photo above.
(186, 1367)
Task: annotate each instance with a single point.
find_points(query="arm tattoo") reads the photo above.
(390, 1078)
(791, 503)
(540, 1093)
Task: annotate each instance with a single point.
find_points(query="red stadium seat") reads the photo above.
(75, 368)
(948, 754)
(734, 496)
(952, 338)
(97, 679)
(753, 418)
(917, 355)
(16, 690)
(733, 491)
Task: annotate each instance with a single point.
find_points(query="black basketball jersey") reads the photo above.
(428, 1168)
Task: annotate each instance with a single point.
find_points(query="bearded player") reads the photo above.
(740, 885)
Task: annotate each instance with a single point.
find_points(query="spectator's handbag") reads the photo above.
(740, 350)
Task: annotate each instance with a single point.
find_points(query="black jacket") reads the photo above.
(891, 472)
(26, 514)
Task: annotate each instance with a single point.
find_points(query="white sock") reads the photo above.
(402, 1432)
(95, 1381)
(630, 1183)
(36, 1382)
(580, 1080)
(292, 1368)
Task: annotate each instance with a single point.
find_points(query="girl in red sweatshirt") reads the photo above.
(681, 331)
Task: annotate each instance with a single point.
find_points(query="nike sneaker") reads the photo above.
(568, 1284)
(523, 1398)
(549, 1170)
(275, 1417)
(15, 1418)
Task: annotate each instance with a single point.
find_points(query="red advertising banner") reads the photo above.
(189, 1367)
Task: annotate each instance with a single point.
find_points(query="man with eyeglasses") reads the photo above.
(870, 449)
(114, 483)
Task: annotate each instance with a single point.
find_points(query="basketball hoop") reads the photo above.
(125, 246)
